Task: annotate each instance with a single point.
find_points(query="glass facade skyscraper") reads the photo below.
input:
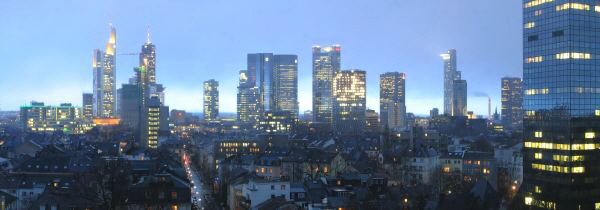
(105, 88)
(247, 101)
(326, 62)
(211, 100)
(561, 79)
(260, 72)
(451, 75)
(148, 60)
(512, 103)
(392, 100)
(285, 84)
(349, 106)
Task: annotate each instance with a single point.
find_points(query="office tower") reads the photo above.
(451, 74)
(109, 88)
(392, 100)
(326, 62)
(260, 73)
(372, 121)
(97, 63)
(247, 100)
(38, 117)
(285, 84)
(104, 78)
(178, 117)
(349, 105)
(435, 112)
(459, 98)
(561, 156)
(211, 100)
(151, 123)
(87, 105)
(131, 107)
(164, 127)
(512, 102)
(148, 60)
(281, 122)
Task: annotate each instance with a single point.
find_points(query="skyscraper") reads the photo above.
(459, 98)
(451, 74)
(87, 106)
(326, 62)
(247, 101)
(285, 84)
(148, 60)
(211, 100)
(392, 103)
(561, 156)
(512, 102)
(349, 105)
(131, 107)
(260, 72)
(97, 63)
(105, 77)
(152, 123)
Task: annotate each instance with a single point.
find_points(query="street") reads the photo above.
(194, 177)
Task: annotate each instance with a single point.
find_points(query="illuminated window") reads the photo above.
(597, 112)
(537, 155)
(536, 2)
(538, 134)
(573, 55)
(597, 205)
(530, 113)
(446, 169)
(528, 201)
(537, 189)
(529, 25)
(578, 170)
(538, 12)
(577, 6)
(590, 135)
(535, 59)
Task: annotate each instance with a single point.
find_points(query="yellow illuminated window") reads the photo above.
(538, 12)
(538, 189)
(536, 59)
(536, 2)
(538, 134)
(578, 169)
(577, 6)
(597, 205)
(529, 25)
(573, 55)
(538, 155)
(528, 201)
(530, 113)
(590, 135)
(597, 112)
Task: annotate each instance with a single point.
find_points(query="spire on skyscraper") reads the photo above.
(148, 35)
(112, 40)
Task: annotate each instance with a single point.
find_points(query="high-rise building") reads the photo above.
(512, 102)
(104, 69)
(349, 105)
(459, 98)
(211, 100)
(148, 60)
(87, 105)
(392, 100)
(97, 63)
(260, 73)
(433, 113)
(109, 88)
(561, 156)
(247, 101)
(451, 74)
(131, 105)
(285, 84)
(151, 124)
(325, 63)
(372, 121)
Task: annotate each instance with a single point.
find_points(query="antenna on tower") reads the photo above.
(148, 34)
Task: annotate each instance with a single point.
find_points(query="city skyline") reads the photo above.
(418, 60)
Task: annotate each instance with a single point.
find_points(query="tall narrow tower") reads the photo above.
(326, 62)
(108, 79)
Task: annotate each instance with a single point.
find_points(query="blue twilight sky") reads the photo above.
(47, 44)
